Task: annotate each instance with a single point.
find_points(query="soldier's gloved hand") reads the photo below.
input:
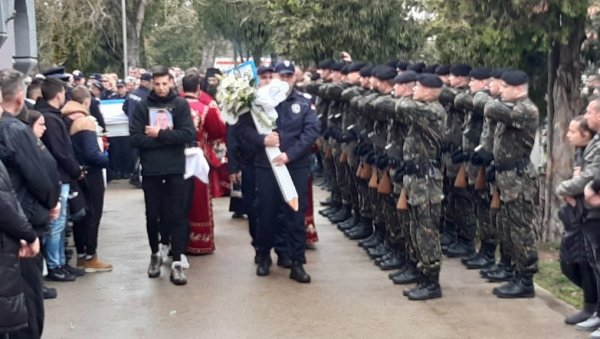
(337, 134)
(490, 174)
(366, 148)
(458, 156)
(400, 171)
(327, 133)
(482, 158)
(596, 185)
(371, 157)
(382, 161)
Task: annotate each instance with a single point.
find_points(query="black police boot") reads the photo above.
(297, 273)
(407, 276)
(264, 265)
(283, 260)
(431, 289)
(486, 257)
(518, 287)
(461, 248)
(344, 214)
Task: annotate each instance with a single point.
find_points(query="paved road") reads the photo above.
(348, 298)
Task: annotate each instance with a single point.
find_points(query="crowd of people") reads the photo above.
(421, 160)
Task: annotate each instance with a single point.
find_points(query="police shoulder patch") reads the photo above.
(307, 96)
(296, 108)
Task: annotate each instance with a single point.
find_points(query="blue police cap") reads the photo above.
(264, 69)
(285, 67)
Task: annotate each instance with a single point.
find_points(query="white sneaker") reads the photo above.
(595, 334)
(164, 252)
(184, 262)
(589, 325)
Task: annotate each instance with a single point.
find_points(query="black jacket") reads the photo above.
(57, 140)
(13, 227)
(95, 112)
(298, 128)
(239, 154)
(32, 170)
(163, 155)
(133, 99)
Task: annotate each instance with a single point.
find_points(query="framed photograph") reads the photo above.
(161, 118)
(247, 69)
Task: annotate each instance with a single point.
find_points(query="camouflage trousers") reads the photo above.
(517, 223)
(352, 181)
(462, 208)
(398, 223)
(487, 227)
(336, 194)
(341, 169)
(365, 201)
(425, 236)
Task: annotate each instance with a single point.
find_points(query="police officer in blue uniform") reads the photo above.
(297, 130)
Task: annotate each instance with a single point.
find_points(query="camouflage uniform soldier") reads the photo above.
(517, 120)
(503, 270)
(378, 158)
(455, 218)
(423, 181)
(480, 80)
(349, 138)
(403, 90)
(364, 126)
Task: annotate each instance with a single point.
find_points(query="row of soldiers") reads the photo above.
(420, 158)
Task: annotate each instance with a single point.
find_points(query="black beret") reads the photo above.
(315, 77)
(481, 73)
(392, 63)
(337, 66)
(356, 66)
(430, 69)
(325, 64)
(402, 65)
(460, 70)
(406, 77)
(515, 78)
(366, 71)
(54, 71)
(418, 67)
(497, 72)
(264, 69)
(442, 70)
(430, 80)
(345, 69)
(386, 73)
(376, 69)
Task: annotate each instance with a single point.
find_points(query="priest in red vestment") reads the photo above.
(210, 127)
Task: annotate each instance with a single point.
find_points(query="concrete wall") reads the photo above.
(18, 35)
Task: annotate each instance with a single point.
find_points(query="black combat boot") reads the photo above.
(362, 233)
(344, 214)
(409, 275)
(334, 207)
(504, 261)
(431, 289)
(485, 258)
(420, 283)
(504, 273)
(461, 248)
(284, 260)
(297, 273)
(264, 265)
(326, 202)
(517, 287)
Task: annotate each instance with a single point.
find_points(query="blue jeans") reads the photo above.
(55, 239)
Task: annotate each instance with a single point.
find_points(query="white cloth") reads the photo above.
(196, 164)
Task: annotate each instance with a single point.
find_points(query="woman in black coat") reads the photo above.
(17, 239)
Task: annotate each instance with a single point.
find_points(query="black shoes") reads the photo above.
(516, 288)
(485, 258)
(407, 276)
(77, 272)
(429, 289)
(460, 249)
(297, 273)
(60, 274)
(49, 292)
(264, 265)
(500, 275)
(284, 261)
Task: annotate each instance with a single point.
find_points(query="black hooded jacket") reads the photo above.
(164, 154)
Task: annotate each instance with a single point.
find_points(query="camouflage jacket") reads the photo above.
(424, 137)
(590, 168)
(365, 119)
(455, 117)
(380, 108)
(397, 131)
(489, 126)
(516, 124)
(473, 124)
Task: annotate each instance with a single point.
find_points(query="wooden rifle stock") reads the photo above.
(480, 182)
(461, 180)
(402, 204)
(329, 153)
(373, 182)
(365, 174)
(344, 157)
(385, 184)
(495, 200)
